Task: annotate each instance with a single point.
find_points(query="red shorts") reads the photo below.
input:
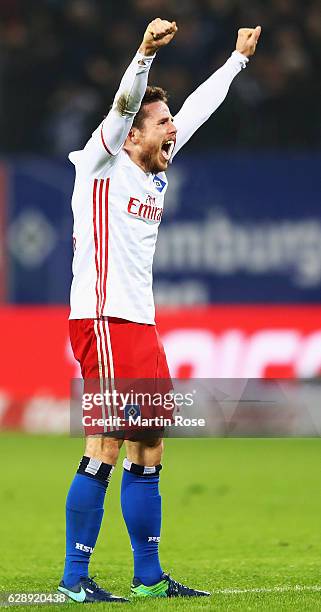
(120, 361)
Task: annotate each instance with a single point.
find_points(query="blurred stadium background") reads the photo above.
(238, 265)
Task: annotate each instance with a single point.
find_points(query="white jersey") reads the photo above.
(117, 207)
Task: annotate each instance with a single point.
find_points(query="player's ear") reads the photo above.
(133, 135)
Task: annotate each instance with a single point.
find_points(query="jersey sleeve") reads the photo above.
(204, 101)
(109, 137)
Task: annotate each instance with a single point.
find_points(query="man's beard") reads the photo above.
(150, 161)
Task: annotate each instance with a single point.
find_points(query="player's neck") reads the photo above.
(135, 158)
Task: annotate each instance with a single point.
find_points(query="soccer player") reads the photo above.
(117, 205)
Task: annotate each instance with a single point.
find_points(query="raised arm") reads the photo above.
(204, 101)
(110, 136)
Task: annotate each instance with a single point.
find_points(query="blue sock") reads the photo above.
(84, 513)
(142, 509)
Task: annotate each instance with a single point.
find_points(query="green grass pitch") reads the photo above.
(239, 514)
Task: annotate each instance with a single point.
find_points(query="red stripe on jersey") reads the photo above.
(100, 222)
(96, 245)
(106, 247)
(103, 141)
(102, 242)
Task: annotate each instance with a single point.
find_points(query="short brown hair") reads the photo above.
(152, 94)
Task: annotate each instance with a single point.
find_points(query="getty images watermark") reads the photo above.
(138, 409)
(196, 407)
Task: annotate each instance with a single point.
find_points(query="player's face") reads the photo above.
(157, 137)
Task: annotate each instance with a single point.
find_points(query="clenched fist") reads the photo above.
(247, 40)
(158, 34)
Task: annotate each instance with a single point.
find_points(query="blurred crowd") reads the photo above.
(61, 62)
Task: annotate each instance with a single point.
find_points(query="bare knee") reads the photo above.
(145, 452)
(103, 448)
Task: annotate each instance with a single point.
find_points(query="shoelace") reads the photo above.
(89, 582)
(174, 587)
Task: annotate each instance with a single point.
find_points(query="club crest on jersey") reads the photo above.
(159, 183)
